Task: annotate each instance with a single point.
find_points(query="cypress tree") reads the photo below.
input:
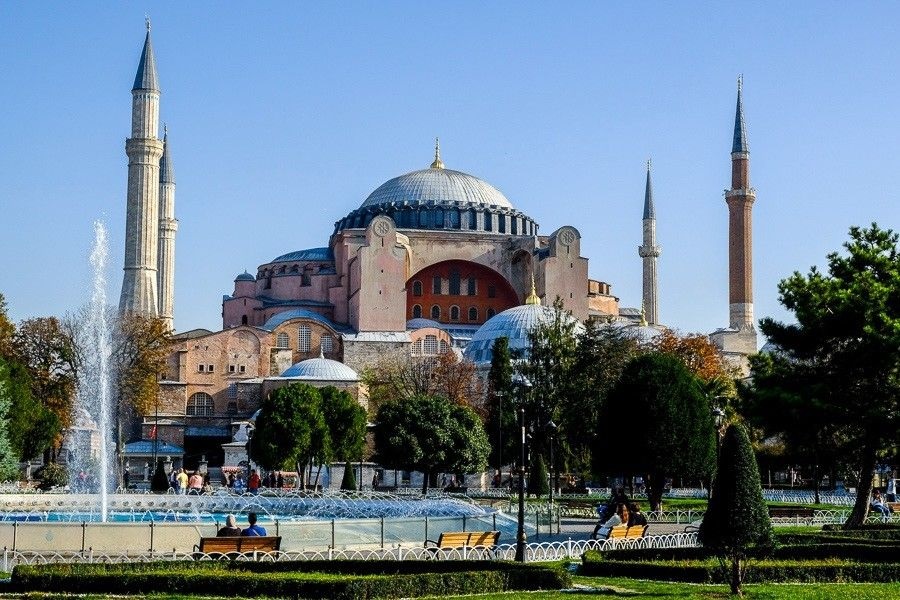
(736, 525)
(539, 483)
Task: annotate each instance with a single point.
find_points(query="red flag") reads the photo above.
(153, 432)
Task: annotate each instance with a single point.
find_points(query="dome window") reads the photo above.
(423, 219)
(438, 218)
(304, 338)
(283, 341)
(473, 220)
(454, 218)
(327, 343)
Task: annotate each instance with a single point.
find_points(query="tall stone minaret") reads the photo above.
(740, 200)
(168, 225)
(144, 149)
(649, 251)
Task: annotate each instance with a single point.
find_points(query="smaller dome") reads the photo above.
(419, 323)
(321, 369)
(245, 276)
(514, 324)
(642, 333)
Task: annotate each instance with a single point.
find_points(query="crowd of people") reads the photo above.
(232, 530)
(619, 510)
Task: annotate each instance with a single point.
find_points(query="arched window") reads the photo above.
(431, 345)
(232, 390)
(490, 313)
(454, 313)
(423, 218)
(438, 218)
(243, 319)
(417, 288)
(501, 223)
(454, 218)
(305, 339)
(283, 340)
(436, 284)
(445, 347)
(326, 342)
(200, 405)
(454, 283)
(473, 314)
(488, 221)
(435, 312)
(473, 219)
(417, 311)
(470, 287)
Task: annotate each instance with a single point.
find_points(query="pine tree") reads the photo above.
(736, 525)
(538, 483)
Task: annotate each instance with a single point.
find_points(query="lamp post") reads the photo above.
(551, 431)
(499, 395)
(719, 419)
(523, 384)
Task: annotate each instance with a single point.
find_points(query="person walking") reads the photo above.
(253, 483)
(182, 480)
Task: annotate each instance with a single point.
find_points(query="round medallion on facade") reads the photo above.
(381, 226)
(567, 236)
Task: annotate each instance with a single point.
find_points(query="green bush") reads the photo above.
(314, 579)
(348, 482)
(52, 475)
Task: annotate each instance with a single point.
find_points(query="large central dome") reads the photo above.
(437, 185)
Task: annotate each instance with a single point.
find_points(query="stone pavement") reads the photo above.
(581, 529)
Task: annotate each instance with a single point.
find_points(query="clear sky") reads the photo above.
(284, 117)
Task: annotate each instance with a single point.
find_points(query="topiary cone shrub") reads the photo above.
(348, 482)
(736, 525)
(539, 484)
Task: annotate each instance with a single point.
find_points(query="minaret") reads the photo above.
(649, 252)
(168, 225)
(740, 200)
(144, 150)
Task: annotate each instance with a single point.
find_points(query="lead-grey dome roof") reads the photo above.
(321, 369)
(437, 185)
(514, 324)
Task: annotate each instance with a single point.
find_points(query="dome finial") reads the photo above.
(532, 297)
(438, 163)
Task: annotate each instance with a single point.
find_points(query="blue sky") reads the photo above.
(285, 117)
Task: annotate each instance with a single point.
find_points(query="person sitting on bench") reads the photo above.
(619, 518)
(231, 529)
(254, 529)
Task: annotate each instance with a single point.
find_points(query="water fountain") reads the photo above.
(90, 441)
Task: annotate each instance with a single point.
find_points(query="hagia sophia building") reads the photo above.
(432, 260)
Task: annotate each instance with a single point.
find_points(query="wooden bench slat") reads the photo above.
(466, 539)
(239, 544)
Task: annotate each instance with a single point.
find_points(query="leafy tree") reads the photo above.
(788, 407)
(847, 340)
(48, 352)
(601, 354)
(736, 523)
(430, 434)
(290, 429)
(7, 331)
(9, 465)
(656, 422)
(31, 426)
(346, 423)
(703, 359)
(407, 376)
(141, 349)
(501, 423)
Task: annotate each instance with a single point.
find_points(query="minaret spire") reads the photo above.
(649, 252)
(740, 199)
(438, 163)
(168, 225)
(144, 150)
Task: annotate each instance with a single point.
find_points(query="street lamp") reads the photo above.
(524, 385)
(499, 395)
(719, 419)
(551, 431)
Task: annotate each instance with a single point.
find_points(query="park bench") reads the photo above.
(232, 547)
(624, 532)
(454, 540)
(799, 514)
(894, 506)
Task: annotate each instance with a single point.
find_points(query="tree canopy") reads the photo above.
(656, 422)
(430, 434)
(846, 341)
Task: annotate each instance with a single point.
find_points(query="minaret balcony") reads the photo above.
(751, 192)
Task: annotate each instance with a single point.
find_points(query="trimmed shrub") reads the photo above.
(348, 482)
(315, 579)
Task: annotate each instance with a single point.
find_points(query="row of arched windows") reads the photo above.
(454, 312)
(445, 218)
(304, 340)
(454, 285)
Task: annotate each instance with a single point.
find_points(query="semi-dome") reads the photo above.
(321, 369)
(438, 186)
(514, 324)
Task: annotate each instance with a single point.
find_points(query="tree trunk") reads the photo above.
(425, 479)
(316, 482)
(863, 489)
(299, 468)
(736, 575)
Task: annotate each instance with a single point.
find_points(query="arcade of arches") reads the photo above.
(458, 291)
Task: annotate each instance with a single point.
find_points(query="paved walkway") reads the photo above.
(581, 529)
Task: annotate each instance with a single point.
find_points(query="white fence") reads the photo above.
(534, 552)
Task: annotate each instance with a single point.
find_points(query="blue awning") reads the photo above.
(146, 448)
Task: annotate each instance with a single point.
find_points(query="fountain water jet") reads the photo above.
(94, 399)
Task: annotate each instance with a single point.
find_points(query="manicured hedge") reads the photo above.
(315, 579)
(710, 571)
